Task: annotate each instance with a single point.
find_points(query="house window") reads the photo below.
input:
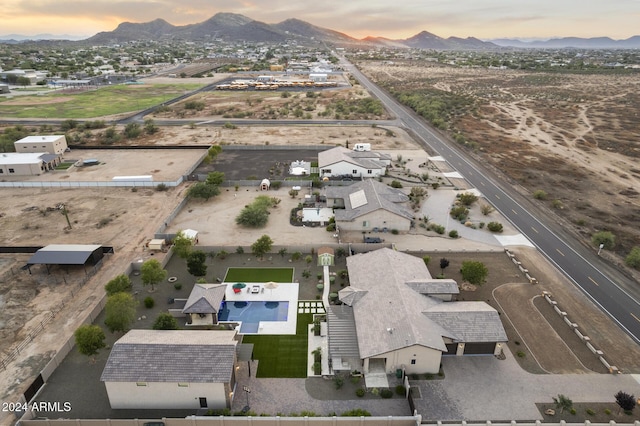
(183, 385)
(369, 172)
(141, 383)
(1, 171)
(12, 171)
(413, 362)
(354, 172)
(365, 223)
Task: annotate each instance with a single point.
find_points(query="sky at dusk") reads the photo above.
(397, 19)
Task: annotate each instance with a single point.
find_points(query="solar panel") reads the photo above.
(357, 199)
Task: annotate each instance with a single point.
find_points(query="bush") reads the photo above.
(590, 412)
(459, 212)
(633, 258)
(495, 227)
(317, 368)
(474, 272)
(149, 302)
(386, 393)
(395, 184)
(453, 233)
(400, 390)
(356, 412)
(177, 286)
(360, 392)
(468, 198)
(338, 381)
(604, 237)
(539, 194)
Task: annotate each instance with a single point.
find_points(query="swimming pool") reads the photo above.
(251, 313)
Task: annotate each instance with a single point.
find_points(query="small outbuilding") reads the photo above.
(157, 244)
(265, 185)
(325, 256)
(172, 369)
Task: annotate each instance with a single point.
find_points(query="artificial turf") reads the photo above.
(282, 356)
(259, 275)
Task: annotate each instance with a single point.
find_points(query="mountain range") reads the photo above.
(235, 27)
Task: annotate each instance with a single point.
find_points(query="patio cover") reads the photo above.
(66, 254)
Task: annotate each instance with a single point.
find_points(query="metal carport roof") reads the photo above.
(63, 254)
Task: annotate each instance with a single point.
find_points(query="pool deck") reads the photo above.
(285, 292)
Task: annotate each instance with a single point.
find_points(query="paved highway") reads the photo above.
(569, 256)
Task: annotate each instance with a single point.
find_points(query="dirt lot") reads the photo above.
(162, 165)
(573, 136)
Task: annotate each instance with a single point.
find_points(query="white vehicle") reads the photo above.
(362, 147)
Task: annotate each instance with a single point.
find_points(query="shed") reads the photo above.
(265, 185)
(156, 244)
(325, 256)
(191, 234)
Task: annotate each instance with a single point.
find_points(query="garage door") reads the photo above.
(479, 348)
(452, 349)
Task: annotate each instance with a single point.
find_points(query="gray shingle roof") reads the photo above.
(378, 196)
(367, 160)
(470, 321)
(392, 315)
(444, 286)
(172, 356)
(205, 299)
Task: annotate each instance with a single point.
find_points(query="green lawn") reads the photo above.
(259, 275)
(282, 356)
(104, 101)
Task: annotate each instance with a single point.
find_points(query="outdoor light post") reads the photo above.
(248, 391)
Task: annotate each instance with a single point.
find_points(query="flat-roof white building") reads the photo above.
(52, 144)
(26, 164)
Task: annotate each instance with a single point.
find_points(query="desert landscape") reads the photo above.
(574, 136)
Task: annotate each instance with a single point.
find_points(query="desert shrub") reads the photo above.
(521, 354)
(396, 184)
(360, 392)
(149, 302)
(400, 390)
(395, 232)
(438, 229)
(386, 393)
(338, 381)
(604, 237)
(177, 286)
(590, 412)
(467, 198)
(633, 258)
(356, 412)
(453, 233)
(539, 194)
(459, 212)
(495, 227)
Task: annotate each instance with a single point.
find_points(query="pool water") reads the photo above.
(251, 313)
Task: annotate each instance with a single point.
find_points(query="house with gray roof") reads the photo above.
(403, 319)
(171, 369)
(203, 304)
(369, 205)
(340, 161)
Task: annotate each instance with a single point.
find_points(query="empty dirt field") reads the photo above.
(573, 136)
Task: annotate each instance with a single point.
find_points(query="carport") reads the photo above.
(67, 254)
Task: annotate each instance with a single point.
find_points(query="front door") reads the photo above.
(203, 402)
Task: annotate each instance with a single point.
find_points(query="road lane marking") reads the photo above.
(558, 250)
(535, 230)
(593, 281)
(497, 197)
(514, 212)
(637, 319)
(482, 183)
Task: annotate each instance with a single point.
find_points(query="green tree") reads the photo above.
(89, 339)
(120, 312)
(625, 401)
(562, 402)
(118, 284)
(202, 190)
(604, 237)
(474, 272)
(633, 258)
(212, 153)
(152, 273)
(165, 321)
(253, 216)
(196, 263)
(215, 178)
(262, 246)
(182, 245)
(444, 264)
